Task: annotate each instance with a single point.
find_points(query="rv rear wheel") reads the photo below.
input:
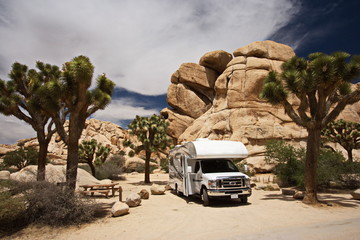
(205, 197)
(177, 191)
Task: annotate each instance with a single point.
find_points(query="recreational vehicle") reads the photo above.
(205, 167)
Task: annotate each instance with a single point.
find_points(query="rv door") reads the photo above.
(186, 176)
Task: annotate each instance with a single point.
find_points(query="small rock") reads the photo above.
(4, 175)
(157, 190)
(299, 195)
(356, 194)
(168, 187)
(288, 191)
(272, 187)
(133, 200)
(119, 209)
(144, 194)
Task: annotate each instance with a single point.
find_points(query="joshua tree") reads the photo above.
(93, 153)
(26, 96)
(347, 134)
(152, 133)
(322, 84)
(80, 103)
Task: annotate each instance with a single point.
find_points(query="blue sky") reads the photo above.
(140, 43)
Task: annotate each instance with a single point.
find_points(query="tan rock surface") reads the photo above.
(236, 111)
(216, 60)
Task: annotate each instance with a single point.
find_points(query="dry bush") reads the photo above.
(53, 205)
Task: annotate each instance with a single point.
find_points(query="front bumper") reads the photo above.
(229, 192)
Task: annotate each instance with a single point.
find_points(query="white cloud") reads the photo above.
(123, 109)
(138, 43)
(12, 129)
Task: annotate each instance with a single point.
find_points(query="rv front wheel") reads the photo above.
(205, 197)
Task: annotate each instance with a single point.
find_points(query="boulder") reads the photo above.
(133, 200)
(196, 76)
(266, 49)
(4, 175)
(288, 191)
(119, 209)
(356, 194)
(178, 122)
(6, 148)
(157, 189)
(299, 195)
(216, 60)
(272, 187)
(144, 194)
(186, 101)
(56, 174)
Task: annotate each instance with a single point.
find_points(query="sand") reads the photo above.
(268, 215)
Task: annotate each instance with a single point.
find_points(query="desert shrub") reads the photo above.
(122, 153)
(351, 176)
(111, 168)
(21, 157)
(131, 153)
(242, 166)
(53, 205)
(290, 162)
(164, 164)
(332, 166)
(12, 207)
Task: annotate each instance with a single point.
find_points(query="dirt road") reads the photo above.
(268, 215)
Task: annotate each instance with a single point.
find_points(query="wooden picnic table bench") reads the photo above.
(103, 189)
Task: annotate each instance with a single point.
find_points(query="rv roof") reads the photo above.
(202, 149)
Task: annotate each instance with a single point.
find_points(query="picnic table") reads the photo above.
(103, 189)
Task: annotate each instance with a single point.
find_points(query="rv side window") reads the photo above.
(197, 167)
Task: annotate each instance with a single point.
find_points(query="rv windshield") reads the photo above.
(218, 165)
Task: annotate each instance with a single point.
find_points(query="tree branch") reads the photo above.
(292, 114)
(347, 100)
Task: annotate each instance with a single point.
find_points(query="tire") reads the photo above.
(177, 191)
(205, 197)
(244, 199)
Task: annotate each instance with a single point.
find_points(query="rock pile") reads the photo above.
(219, 99)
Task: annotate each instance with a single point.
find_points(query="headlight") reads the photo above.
(247, 182)
(212, 183)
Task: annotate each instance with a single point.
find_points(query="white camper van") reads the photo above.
(204, 167)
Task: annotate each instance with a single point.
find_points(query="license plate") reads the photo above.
(233, 196)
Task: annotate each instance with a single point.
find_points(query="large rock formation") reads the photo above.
(106, 133)
(219, 99)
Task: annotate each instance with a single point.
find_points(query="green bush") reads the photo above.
(164, 164)
(111, 168)
(290, 161)
(21, 157)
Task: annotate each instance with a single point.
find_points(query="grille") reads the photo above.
(232, 182)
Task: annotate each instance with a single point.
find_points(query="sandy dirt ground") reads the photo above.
(268, 215)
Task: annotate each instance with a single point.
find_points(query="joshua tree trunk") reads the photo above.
(92, 167)
(147, 167)
(350, 156)
(312, 154)
(43, 146)
(75, 129)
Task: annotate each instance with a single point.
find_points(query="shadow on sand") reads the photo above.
(214, 203)
(326, 199)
